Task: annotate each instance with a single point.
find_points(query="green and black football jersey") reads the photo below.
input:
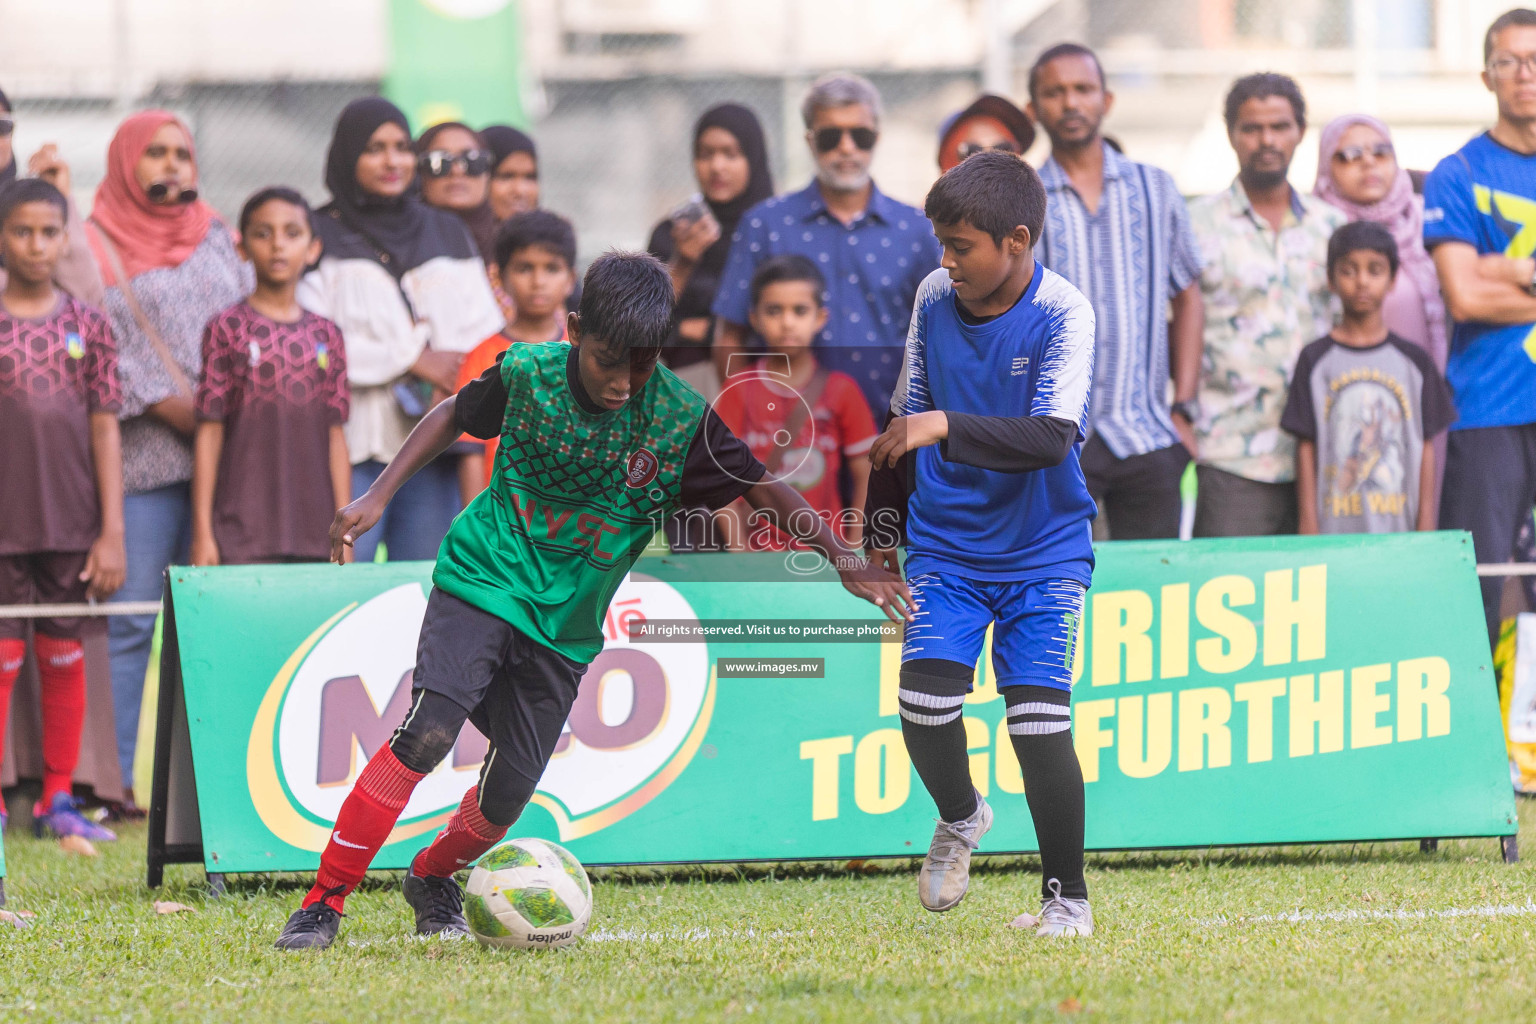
(578, 490)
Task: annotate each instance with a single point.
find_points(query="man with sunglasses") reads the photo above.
(1119, 231)
(1480, 228)
(873, 250)
(990, 122)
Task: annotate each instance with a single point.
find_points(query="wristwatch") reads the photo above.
(1189, 409)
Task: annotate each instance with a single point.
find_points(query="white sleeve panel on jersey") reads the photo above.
(911, 394)
(1061, 389)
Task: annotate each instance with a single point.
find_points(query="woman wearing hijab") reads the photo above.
(406, 284)
(455, 169)
(168, 264)
(76, 272)
(514, 171)
(1358, 172)
(730, 162)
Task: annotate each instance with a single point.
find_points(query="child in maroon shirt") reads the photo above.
(61, 481)
(271, 465)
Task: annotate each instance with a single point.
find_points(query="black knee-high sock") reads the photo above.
(932, 692)
(1041, 730)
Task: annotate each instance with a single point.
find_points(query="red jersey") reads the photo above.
(54, 372)
(278, 388)
(805, 449)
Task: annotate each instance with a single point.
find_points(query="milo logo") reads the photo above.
(642, 468)
(640, 715)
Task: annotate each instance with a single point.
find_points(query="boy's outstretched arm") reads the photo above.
(883, 589)
(432, 436)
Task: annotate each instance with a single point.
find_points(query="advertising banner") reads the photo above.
(455, 60)
(1276, 690)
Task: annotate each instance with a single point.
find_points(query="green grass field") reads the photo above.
(1381, 932)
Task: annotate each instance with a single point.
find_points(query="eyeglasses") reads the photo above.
(1354, 154)
(7, 125)
(1508, 67)
(439, 163)
(970, 149)
(828, 139)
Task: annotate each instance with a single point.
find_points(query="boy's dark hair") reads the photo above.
(280, 193)
(1062, 50)
(1262, 86)
(1521, 16)
(1358, 235)
(993, 192)
(536, 227)
(789, 267)
(627, 301)
(30, 190)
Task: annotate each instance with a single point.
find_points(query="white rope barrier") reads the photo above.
(72, 611)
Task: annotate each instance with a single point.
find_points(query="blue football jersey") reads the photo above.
(1034, 360)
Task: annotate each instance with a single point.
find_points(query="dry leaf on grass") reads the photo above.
(1071, 1004)
(167, 907)
(17, 919)
(77, 844)
(1025, 921)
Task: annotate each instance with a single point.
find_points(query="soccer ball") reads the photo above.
(528, 893)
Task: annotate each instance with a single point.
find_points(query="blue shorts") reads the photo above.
(1033, 642)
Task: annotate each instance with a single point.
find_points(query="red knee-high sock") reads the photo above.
(466, 836)
(365, 821)
(12, 654)
(61, 671)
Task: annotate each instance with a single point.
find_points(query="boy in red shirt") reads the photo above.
(801, 421)
(270, 461)
(61, 482)
(536, 265)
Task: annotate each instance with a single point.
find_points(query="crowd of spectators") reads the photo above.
(206, 391)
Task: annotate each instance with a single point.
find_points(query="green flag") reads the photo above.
(455, 60)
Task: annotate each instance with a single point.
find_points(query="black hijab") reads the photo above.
(504, 140)
(480, 221)
(8, 172)
(699, 292)
(400, 233)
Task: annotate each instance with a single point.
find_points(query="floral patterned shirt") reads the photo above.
(1266, 297)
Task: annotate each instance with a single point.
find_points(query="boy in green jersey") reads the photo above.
(599, 446)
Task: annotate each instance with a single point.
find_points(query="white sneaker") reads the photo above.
(1061, 917)
(946, 871)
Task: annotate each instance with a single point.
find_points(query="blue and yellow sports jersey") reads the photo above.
(1485, 195)
(1034, 360)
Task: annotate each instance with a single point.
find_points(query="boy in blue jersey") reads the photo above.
(987, 421)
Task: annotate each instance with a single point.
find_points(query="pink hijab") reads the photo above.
(146, 235)
(1399, 211)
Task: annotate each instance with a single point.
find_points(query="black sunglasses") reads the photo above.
(1354, 154)
(439, 163)
(7, 125)
(969, 149)
(828, 139)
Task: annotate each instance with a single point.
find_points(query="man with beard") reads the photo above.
(1119, 231)
(1265, 286)
(873, 250)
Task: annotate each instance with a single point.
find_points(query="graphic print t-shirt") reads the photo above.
(54, 372)
(278, 388)
(1485, 195)
(757, 407)
(1369, 411)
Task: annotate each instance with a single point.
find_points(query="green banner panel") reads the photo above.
(455, 60)
(1277, 690)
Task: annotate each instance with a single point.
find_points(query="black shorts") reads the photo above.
(43, 577)
(514, 689)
